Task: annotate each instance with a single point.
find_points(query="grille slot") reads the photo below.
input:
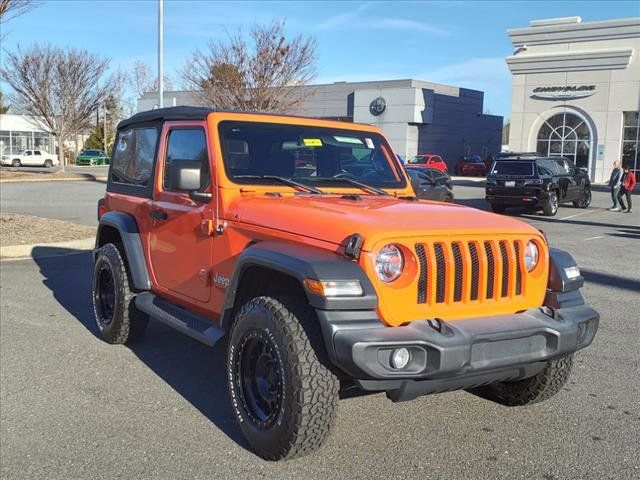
(440, 272)
(505, 269)
(516, 246)
(490, 268)
(422, 279)
(475, 270)
(457, 261)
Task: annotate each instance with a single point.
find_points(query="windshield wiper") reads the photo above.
(286, 181)
(356, 183)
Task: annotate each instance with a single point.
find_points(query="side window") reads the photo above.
(186, 145)
(27, 153)
(37, 152)
(561, 167)
(570, 167)
(133, 156)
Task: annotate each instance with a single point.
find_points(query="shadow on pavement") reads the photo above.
(542, 218)
(609, 280)
(193, 370)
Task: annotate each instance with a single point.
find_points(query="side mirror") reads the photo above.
(186, 176)
(582, 170)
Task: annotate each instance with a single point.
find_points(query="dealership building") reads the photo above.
(576, 91)
(416, 116)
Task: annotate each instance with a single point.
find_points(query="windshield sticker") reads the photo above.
(369, 143)
(347, 140)
(312, 142)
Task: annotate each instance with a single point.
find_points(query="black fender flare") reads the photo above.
(126, 226)
(302, 262)
(562, 291)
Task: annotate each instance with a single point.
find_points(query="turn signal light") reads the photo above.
(334, 288)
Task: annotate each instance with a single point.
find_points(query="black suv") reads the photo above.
(537, 183)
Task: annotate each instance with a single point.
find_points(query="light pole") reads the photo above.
(160, 59)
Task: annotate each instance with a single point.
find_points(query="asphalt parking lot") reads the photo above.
(74, 407)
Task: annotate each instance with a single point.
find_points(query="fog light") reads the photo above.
(572, 272)
(400, 358)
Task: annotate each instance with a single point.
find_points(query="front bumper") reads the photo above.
(454, 355)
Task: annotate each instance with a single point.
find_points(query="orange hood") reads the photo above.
(332, 218)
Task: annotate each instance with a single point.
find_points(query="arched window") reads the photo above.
(565, 135)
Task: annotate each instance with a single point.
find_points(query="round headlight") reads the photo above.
(531, 256)
(389, 263)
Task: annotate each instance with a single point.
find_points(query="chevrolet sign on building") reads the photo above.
(576, 92)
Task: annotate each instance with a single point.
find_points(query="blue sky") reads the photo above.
(459, 43)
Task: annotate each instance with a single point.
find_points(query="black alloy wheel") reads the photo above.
(259, 378)
(105, 296)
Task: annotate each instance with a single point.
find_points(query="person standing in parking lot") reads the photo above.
(628, 183)
(614, 182)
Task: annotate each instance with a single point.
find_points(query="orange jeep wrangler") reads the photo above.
(302, 241)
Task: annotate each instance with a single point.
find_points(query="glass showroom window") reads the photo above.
(5, 142)
(565, 135)
(43, 141)
(21, 141)
(631, 141)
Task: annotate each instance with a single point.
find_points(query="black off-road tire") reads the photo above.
(126, 324)
(550, 207)
(585, 201)
(497, 208)
(542, 386)
(307, 402)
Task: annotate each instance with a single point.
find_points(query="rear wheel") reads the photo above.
(550, 208)
(48, 163)
(283, 395)
(117, 317)
(585, 201)
(543, 385)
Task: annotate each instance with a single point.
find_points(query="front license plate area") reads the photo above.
(510, 183)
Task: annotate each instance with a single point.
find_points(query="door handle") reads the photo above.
(159, 215)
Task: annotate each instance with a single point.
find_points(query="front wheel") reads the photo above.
(543, 385)
(15, 163)
(585, 201)
(550, 208)
(117, 317)
(283, 395)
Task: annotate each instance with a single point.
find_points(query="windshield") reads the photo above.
(512, 168)
(318, 156)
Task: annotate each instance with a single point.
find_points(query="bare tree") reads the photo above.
(13, 8)
(258, 75)
(62, 87)
(143, 80)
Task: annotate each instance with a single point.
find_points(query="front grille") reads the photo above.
(487, 270)
(491, 268)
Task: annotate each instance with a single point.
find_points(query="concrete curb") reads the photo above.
(85, 177)
(27, 251)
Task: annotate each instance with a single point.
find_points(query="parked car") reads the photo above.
(426, 187)
(327, 279)
(428, 160)
(537, 183)
(92, 157)
(31, 158)
(471, 165)
(438, 176)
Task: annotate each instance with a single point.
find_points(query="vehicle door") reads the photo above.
(577, 180)
(426, 187)
(38, 159)
(180, 238)
(563, 180)
(27, 158)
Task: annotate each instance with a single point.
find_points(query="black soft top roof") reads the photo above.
(165, 114)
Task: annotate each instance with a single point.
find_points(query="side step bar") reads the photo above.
(196, 326)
